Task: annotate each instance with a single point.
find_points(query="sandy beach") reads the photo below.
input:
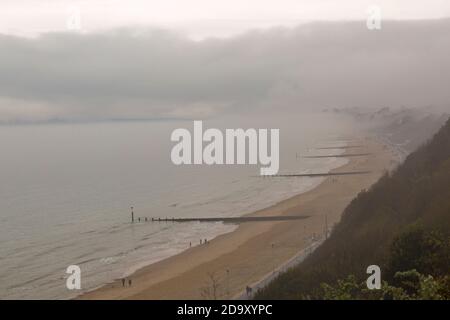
(254, 249)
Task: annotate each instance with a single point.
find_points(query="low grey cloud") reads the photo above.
(151, 73)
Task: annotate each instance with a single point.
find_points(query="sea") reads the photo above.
(66, 192)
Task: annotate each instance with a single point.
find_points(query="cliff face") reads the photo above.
(405, 128)
(417, 193)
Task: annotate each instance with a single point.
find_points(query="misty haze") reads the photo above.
(322, 162)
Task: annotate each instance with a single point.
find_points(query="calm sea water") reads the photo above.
(66, 192)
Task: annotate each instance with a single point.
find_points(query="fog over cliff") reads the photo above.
(154, 74)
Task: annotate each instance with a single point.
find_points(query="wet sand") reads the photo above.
(232, 261)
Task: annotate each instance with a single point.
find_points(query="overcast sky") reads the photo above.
(124, 65)
(201, 18)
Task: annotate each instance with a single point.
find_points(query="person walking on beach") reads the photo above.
(129, 282)
(123, 282)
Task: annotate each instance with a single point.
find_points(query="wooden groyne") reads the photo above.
(341, 147)
(319, 174)
(230, 219)
(340, 155)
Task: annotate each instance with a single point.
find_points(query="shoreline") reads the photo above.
(245, 255)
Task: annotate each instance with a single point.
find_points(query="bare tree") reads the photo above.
(212, 287)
